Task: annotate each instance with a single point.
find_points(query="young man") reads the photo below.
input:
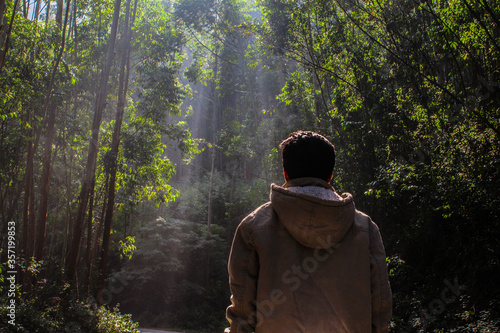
(308, 261)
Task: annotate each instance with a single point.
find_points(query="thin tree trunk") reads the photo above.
(93, 249)
(69, 169)
(86, 287)
(56, 218)
(38, 7)
(28, 178)
(26, 7)
(93, 149)
(29, 203)
(59, 12)
(69, 214)
(2, 9)
(48, 14)
(122, 93)
(214, 139)
(45, 184)
(215, 128)
(7, 39)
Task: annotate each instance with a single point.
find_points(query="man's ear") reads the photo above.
(287, 178)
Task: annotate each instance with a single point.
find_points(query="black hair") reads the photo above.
(307, 154)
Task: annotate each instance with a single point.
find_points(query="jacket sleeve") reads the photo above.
(243, 270)
(380, 287)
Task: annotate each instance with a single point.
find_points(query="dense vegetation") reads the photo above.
(135, 136)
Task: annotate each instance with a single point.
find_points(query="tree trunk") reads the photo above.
(51, 108)
(90, 166)
(2, 9)
(47, 14)
(7, 38)
(45, 186)
(122, 93)
(92, 247)
(86, 286)
(38, 7)
(29, 201)
(59, 12)
(214, 142)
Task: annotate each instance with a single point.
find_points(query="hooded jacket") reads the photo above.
(308, 263)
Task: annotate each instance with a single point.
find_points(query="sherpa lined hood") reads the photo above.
(313, 221)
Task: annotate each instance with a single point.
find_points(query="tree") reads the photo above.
(93, 149)
(122, 92)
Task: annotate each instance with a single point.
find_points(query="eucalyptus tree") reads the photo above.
(90, 167)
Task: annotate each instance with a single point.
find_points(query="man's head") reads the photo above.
(307, 154)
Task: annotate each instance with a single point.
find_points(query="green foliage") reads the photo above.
(32, 317)
(127, 248)
(173, 279)
(199, 14)
(51, 309)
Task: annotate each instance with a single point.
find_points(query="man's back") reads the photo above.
(307, 261)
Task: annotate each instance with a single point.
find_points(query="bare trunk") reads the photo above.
(122, 92)
(26, 7)
(7, 39)
(2, 8)
(93, 149)
(92, 247)
(47, 13)
(89, 237)
(28, 178)
(215, 127)
(59, 13)
(45, 186)
(29, 203)
(214, 142)
(38, 7)
(69, 215)
(51, 109)
(67, 228)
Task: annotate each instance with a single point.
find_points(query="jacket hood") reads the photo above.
(313, 221)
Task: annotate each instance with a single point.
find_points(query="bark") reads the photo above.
(51, 109)
(214, 139)
(122, 92)
(38, 7)
(44, 187)
(2, 9)
(59, 13)
(29, 202)
(7, 38)
(90, 166)
(89, 236)
(25, 8)
(28, 178)
(47, 14)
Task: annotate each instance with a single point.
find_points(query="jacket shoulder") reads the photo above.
(261, 217)
(362, 222)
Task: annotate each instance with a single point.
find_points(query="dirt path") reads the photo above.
(151, 330)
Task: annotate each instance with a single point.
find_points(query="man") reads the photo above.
(308, 261)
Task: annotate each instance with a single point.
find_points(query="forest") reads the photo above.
(135, 135)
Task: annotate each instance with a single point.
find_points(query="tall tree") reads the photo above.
(90, 167)
(51, 109)
(115, 143)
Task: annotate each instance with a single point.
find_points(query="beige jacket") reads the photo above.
(300, 263)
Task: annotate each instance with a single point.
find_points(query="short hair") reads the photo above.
(307, 154)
